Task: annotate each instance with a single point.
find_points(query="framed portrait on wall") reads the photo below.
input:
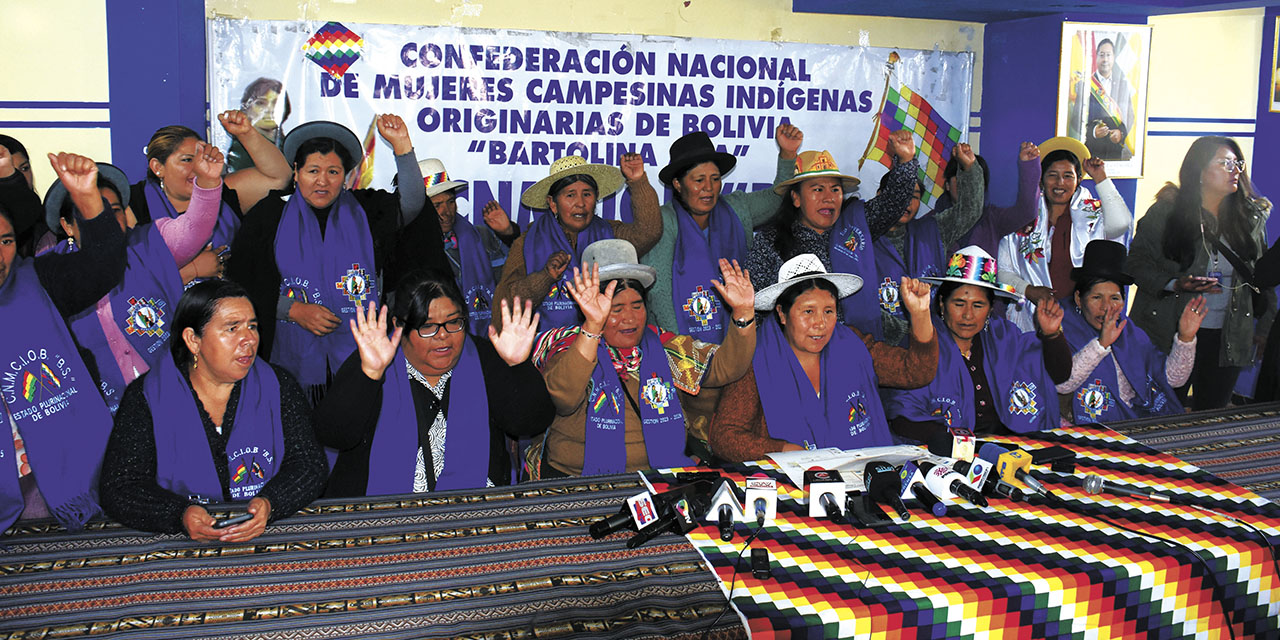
(1102, 92)
(1275, 70)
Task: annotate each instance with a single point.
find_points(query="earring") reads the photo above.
(71, 243)
(195, 362)
(986, 324)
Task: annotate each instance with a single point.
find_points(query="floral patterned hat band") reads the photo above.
(971, 265)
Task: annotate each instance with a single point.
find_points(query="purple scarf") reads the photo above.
(1098, 399)
(661, 417)
(142, 306)
(545, 237)
(184, 464)
(851, 252)
(699, 312)
(224, 230)
(394, 451)
(49, 394)
(923, 247)
(336, 271)
(476, 279)
(848, 415)
(1014, 364)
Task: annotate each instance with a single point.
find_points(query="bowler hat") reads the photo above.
(691, 150)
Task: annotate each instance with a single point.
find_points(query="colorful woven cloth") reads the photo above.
(1019, 569)
(512, 562)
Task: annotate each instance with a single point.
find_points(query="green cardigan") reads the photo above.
(1157, 309)
(753, 208)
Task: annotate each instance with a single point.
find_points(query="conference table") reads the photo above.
(517, 562)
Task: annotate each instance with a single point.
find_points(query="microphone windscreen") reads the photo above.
(991, 452)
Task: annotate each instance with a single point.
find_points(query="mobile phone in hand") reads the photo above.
(232, 521)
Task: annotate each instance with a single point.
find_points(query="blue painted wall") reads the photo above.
(157, 73)
(1265, 171)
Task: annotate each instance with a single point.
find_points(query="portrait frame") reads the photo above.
(1102, 92)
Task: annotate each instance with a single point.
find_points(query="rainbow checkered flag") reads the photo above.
(363, 175)
(906, 109)
(334, 47)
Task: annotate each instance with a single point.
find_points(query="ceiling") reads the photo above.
(1001, 10)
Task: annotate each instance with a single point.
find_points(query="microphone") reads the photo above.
(947, 484)
(638, 512)
(676, 512)
(977, 474)
(1005, 490)
(762, 498)
(882, 483)
(726, 522)
(1013, 465)
(761, 507)
(1095, 484)
(826, 492)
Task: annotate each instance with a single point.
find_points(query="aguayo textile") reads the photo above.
(502, 563)
(1019, 569)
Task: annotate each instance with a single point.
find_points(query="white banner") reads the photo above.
(499, 106)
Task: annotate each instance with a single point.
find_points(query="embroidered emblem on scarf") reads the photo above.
(890, 299)
(248, 477)
(1095, 399)
(1158, 399)
(657, 394)
(858, 415)
(146, 317)
(478, 298)
(943, 412)
(855, 241)
(1022, 399)
(701, 306)
(355, 284)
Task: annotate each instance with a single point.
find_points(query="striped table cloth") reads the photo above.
(512, 562)
(1081, 569)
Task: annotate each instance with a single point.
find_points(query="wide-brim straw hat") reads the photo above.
(57, 193)
(816, 164)
(973, 266)
(324, 129)
(1063, 143)
(691, 150)
(1103, 259)
(608, 180)
(618, 261)
(436, 179)
(805, 266)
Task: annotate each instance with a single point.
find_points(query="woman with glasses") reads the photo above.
(426, 408)
(1204, 236)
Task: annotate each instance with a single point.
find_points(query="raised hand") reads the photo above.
(1049, 316)
(902, 144)
(80, 176)
(236, 123)
(736, 289)
(556, 264)
(632, 166)
(789, 138)
(518, 331)
(208, 165)
(585, 290)
(1112, 325)
(315, 318)
(209, 263)
(497, 219)
(1029, 151)
(1192, 316)
(377, 350)
(392, 129)
(964, 153)
(1096, 168)
(6, 163)
(915, 296)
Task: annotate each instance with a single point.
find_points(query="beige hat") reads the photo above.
(816, 164)
(618, 261)
(608, 180)
(436, 179)
(805, 266)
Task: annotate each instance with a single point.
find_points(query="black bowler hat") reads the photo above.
(1103, 259)
(691, 150)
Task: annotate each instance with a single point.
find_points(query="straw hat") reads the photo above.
(324, 129)
(57, 193)
(805, 266)
(816, 164)
(436, 179)
(618, 261)
(973, 266)
(691, 150)
(1063, 143)
(608, 180)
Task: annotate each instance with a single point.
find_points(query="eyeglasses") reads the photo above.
(1232, 166)
(430, 329)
